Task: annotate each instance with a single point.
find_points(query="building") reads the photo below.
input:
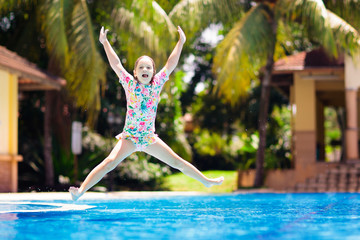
(313, 81)
(16, 75)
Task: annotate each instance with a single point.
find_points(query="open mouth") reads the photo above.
(145, 75)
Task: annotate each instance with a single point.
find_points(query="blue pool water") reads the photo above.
(233, 216)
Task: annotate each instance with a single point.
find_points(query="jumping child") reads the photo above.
(142, 95)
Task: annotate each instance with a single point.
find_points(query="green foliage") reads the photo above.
(240, 145)
(239, 150)
(169, 124)
(181, 182)
(333, 133)
(209, 143)
(248, 145)
(205, 107)
(95, 149)
(140, 172)
(278, 152)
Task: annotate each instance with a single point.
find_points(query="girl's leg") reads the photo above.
(163, 152)
(121, 150)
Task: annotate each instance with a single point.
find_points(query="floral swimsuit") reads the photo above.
(142, 102)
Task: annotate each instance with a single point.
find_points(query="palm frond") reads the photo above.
(163, 17)
(346, 9)
(86, 70)
(132, 31)
(53, 24)
(195, 15)
(314, 16)
(346, 36)
(243, 52)
(282, 37)
(148, 32)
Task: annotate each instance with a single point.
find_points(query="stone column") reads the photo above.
(352, 84)
(351, 134)
(305, 122)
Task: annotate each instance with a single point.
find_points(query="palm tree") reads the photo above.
(71, 34)
(71, 45)
(249, 49)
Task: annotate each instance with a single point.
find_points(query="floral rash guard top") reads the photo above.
(142, 101)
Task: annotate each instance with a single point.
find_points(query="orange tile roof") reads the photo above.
(314, 59)
(30, 77)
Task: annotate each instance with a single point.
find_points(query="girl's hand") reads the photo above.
(182, 37)
(102, 36)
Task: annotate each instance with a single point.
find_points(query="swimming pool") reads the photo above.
(232, 216)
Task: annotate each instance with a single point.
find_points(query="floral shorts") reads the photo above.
(140, 142)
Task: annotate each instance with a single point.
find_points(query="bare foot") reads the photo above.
(74, 193)
(214, 181)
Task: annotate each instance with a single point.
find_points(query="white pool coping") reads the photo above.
(46, 196)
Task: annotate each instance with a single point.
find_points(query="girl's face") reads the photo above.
(144, 70)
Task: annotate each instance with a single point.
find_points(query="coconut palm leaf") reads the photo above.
(243, 51)
(314, 16)
(152, 13)
(163, 19)
(150, 30)
(195, 15)
(54, 28)
(345, 34)
(347, 10)
(86, 69)
(283, 37)
(126, 22)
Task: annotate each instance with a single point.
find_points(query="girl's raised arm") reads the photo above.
(175, 54)
(110, 53)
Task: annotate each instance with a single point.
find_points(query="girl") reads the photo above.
(142, 95)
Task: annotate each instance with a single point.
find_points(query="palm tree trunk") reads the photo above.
(263, 112)
(49, 168)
